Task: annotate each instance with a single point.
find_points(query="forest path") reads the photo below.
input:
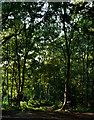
(39, 115)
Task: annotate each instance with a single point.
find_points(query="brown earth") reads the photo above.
(39, 115)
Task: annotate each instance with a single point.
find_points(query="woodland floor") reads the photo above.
(39, 115)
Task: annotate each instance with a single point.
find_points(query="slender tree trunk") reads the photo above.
(65, 87)
(25, 57)
(93, 80)
(40, 92)
(16, 80)
(40, 81)
(7, 85)
(68, 63)
(47, 92)
(18, 60)
(3, 84)
(54, 94)
(93, 90)
(12, 85)
(8, 76)
(83, 71)
(67, 84)
(11, 92)
(23, 73)
(87, 76)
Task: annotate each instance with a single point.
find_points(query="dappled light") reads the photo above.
(47, 60)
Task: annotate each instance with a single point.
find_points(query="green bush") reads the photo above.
(23, 105)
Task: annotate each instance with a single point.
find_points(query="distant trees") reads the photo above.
(47, 52)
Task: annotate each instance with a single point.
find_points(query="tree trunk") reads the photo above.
(40, 96)
(93, 90)
(83, 70)
(8, 86)
(67, 84)
(11, 90)
(93, 81)
(3, 94)
(8, 76)
(24, 67)
(18, 60)
(12, 85)
(54, 94)
(68, 63)
(47, 92)
(87, 77)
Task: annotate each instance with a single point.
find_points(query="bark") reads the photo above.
(11, 91)
(8, 77)
(40, 92)
(7, 85)
(93, 80)
(93, 90)
(12, 85)
(23, 73)
(25, 57)
(18, 60)
(67, 84)
(54, 93)
(16, 81)
(40, 81)
(3, 84)
(64, 101)
(83, 70)
(48, 91)
(68, 63)
(87, 76)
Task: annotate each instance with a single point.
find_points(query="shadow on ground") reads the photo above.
(39, 115)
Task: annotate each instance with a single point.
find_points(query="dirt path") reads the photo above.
(38, 115)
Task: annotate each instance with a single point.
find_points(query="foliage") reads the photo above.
(47, 55)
